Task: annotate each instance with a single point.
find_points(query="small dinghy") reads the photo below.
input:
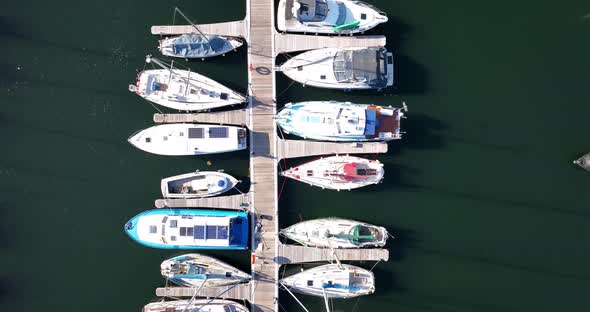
(338, 172)
(197, 184)
(328, 16)
(336, 233)
(583, 161)
(198, 305)
(190, 229)
(182, 89)
(189, 139)
(198, 45)
(346, 69)
(341, 121)
(332, 281)
(196, 270)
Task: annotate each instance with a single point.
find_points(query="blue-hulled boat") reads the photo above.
(340, 121)
(190, 229)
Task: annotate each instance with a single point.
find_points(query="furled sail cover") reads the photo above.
(200, 46)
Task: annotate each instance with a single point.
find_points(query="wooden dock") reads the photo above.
(238, 117)
(583, 161)
(289, 254)
(236, 202)
(230, 29)
(239, 292)
(302, 148)
(285, 43)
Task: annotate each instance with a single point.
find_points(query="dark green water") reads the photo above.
(489, 212)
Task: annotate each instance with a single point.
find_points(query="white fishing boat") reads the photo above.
(338, 172)
(347, 69)
(332, 281)
(196, 270)
(341, 121)
(197, 184)
(198, 305)
(336, 233)
(189, 139)
(328, 16)
(182, 89)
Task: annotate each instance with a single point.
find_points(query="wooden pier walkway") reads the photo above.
(236, 202)
(238, 117)
(239, 292)
(583, 161)
(303, 148)
(288, 254)
(285, 43)
(230, 29)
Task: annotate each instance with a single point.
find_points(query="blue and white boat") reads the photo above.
(340, 121)
(198, 45)
(190, 229)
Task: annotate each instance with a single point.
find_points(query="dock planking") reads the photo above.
(238, 292)
(285, 43)
(302, 148)
(238, 117)
(289, 254)
(236, 202)
(230, 29)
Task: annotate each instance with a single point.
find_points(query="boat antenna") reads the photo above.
(176, 9)
(290, 293)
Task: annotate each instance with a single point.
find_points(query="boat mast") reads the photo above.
(176, 9)
(290, 293)
(326, 299)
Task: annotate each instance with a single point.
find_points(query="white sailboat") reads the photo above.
(196, 270)
(328, 16)
(199, 305)
(347, 69)
(336, 233)
(332, 281)
(189, 139)
(338, 172)
(182, 89)
(197, 184)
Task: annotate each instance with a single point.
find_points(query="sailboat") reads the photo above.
(198, 305)
(336, 233)
(190, 229)
(342, 68)
(189, 139)
(328, 16)
(182, 89)
(341, 121)
(332, 281)
(197, 45)
(196, 270)
(338, 172)
(583, 161)
(197, 184)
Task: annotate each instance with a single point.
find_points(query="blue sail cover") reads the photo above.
(370, 121)
(200, 46)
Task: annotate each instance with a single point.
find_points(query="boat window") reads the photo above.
(153, 229)
(309, 173)
(163, 230)
(310, 283)
(181, 133)
(218, 132)
(196, 133)
(322, 77)
(187, 217)
(199, 232)
(165, 219)
(173, 224)
(217, 232)
(363, 16)
(186, 231)
(224, 96)
(173, 238)
(166, 138)
(148, 140)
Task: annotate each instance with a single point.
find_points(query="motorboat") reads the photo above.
(332, 281)
(189, 139)
(190, 229)
(583, 161)
(196, 305)
(342, 68)
(336, 233)
(341, 121)
(198, 45)
(197, 184)
(338, 172)
(182, 89)
(196, 270)
(328, 16)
